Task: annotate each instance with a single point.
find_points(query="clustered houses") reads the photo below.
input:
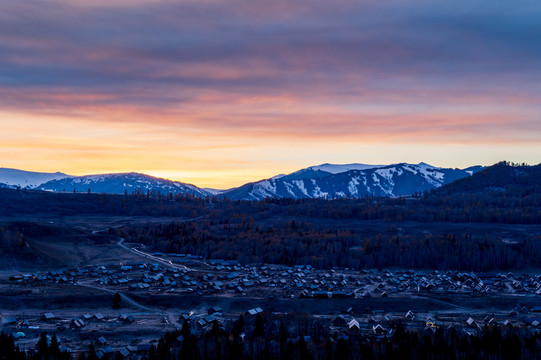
(52, 323)
(218, 276)
(378, 324)
(191, 274)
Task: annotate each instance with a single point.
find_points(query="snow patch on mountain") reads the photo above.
(301, 187)
(388, 174)
(317, 190)
(269, 186)
(263, 189)
(352, 186)
(289, 188)
(340, 168)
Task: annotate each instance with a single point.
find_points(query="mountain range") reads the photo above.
(321, 181)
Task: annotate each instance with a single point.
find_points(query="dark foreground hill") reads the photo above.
(512, 179)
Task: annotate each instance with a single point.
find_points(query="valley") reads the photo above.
(112, 274)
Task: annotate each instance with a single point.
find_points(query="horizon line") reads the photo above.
(149, 173)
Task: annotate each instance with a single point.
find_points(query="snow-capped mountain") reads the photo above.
(352, 180)
(321, 181)
(27, 179)
(122, 182)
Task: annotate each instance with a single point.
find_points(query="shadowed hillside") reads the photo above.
(513, 179)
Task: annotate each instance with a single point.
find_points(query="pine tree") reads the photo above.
(117, 299)
(258, 330)
(185, 331)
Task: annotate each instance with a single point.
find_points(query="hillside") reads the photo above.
(513, 179)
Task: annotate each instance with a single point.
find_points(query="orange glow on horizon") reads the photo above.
(226, 158)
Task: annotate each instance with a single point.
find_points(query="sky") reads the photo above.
(219, 93)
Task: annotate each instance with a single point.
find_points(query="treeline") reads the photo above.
(299, 337)
(8, 349)
(12, 241)
(47, 348)
(31, 202)
(272, 340)
(302, 243)
(489, 207)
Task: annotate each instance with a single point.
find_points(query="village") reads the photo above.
(140, 300)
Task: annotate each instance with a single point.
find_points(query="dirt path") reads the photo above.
(160, 260)
(148, 256)
(170, 317)
(123, 296)
(443, 302)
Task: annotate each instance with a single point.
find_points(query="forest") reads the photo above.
(419, 231)
(304, 243)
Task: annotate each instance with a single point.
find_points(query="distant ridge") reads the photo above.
(27, 179)
(121, 183)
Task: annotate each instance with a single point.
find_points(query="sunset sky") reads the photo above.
(219, 93)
